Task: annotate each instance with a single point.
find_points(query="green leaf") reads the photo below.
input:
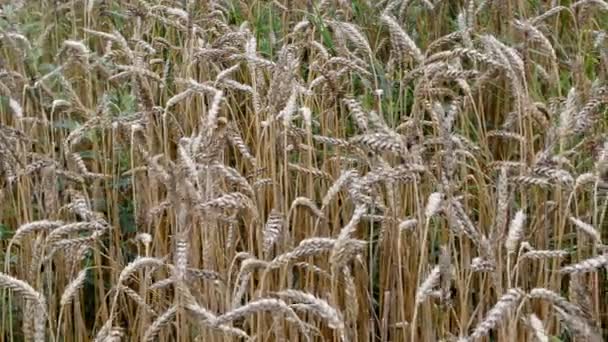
(127, 218)
(5, 232)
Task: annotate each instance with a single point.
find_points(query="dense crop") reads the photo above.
(303, 170)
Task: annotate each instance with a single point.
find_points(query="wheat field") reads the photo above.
(303, 170)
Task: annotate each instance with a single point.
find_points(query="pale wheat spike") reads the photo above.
(301, 26)
(460, 222)
(178, 98)
(407, 225)
(580, 327)
(161, 321)
(498, 313)
(516, 231)
(115, 334)
(502, 189)
(566, 117)
(580, 294)
(181, 256)
(445, 272)
(20, 287)
(350, 292)
(272, 229)
(137, 299)
(232, 84)
(507, 135)
(316, 305)
(530, 180)
(336, 187)
(307, 117)
(538, 328)
(586, 266)
(29, 313)
(545, 254)
(243, 278)
(587, 229)
(378, 142)
(352, 33)
(259, 305)
(479, 264)
(425, 289)
(226, 72)
(353, 63)
(70, 228)
(311, 171)
(344, 251)
(73, 287)
(144, 238)
(235, 139)
(433, 205)
(77, 46)
(26, 291)
(535, 34)
(305, 248)
(161, 284)
(34, 227)
(308, 203)
(229, 201)
(214, 110)
(103, 332)
(66, 245)
(320, 48)
(554, 10)
(345, 246)
(15, 106)
(357, 112)
(351, 226)
(556, 300)
(599, 4)
(208, 320)
(137, 264)
(400, 40)
(314, 269)
(200, 311)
